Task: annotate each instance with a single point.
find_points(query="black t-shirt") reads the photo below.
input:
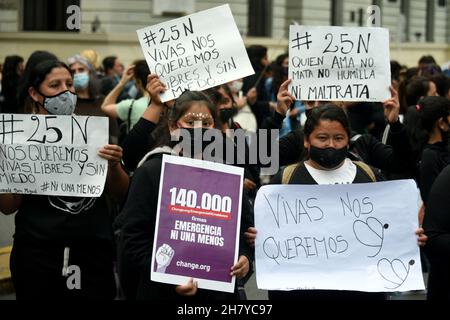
(64, 219)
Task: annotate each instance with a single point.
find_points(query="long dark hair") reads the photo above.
(255, 54)
(277, 73)
(40, 72)
(182, 104)
(141, 72)
(329, 112)
(411, 90)
(25, 101)
(10, 83)
(421, 119)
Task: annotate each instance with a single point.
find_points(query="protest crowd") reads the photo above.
(320, 142)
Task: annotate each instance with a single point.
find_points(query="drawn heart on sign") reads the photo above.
(395, 271)
(370, 233)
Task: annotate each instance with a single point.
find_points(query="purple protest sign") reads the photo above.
(197, 225)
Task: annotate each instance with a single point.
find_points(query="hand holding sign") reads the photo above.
(284, 98)
(241, 268)
(111, 152)
(392, 107)
(155, 87)
(188, 289)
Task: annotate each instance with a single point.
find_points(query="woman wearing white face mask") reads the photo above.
(87, 89)
(53, 232)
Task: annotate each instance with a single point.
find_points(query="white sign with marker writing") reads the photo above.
(195, 52)
(339, 63)
(52, 155)
(338, 237)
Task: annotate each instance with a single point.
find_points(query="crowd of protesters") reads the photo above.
(404, 137)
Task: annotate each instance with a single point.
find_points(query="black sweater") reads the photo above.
(437, 228)
(139, 226)
(434, 159)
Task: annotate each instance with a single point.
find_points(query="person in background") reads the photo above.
(92, 57)
(87, 88)
(53, 231)
(260, 62)
(244, 116)
(437, 227)
(442, 83)
(413, 89)
(129, 111)
(425, 61)
(113, 69)
(428, 127)
(12, 73)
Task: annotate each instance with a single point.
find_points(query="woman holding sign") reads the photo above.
(63, 245)
(326, 139)
(192, 111)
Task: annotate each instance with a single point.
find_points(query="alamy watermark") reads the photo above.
(73, 22)
(235, 147)
(373, 16)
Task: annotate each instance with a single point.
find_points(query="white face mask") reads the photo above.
(61, 104)
(236, 86)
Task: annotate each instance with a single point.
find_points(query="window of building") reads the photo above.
(47, 15)
(260, 18)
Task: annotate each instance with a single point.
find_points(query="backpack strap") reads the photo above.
(288, 172)
(367, 169)
(129, 115)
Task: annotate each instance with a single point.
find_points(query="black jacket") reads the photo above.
(138, 230)
(434, 159)
(437, 228)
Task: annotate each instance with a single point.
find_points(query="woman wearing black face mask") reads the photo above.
(192, 111)
(53, 232)
(326, 139)
(428, 126)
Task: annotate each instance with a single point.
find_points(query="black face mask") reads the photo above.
(328, 157)
(227, 113)
(285, 71)
(195, 139)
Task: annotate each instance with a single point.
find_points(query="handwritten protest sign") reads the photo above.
(52, 155)
(339, 63)
(338, 237)
(195, 52)
(198, 221)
